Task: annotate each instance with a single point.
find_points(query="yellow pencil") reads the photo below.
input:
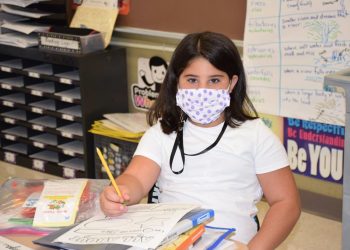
(104, 163)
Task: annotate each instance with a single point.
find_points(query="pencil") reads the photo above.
(104, 163)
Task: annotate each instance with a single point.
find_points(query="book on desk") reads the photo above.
(192, 219)
(185, 240)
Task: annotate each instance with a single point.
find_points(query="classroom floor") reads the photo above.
(311, 233)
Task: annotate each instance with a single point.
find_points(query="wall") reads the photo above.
(155, 28)
(182, 16)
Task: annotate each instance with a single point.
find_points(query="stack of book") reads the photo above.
(192, 233)
(123, 126)
(186, 233)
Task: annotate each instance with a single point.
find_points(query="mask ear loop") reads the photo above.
(178, 143)
(181, 122)
(229, 86)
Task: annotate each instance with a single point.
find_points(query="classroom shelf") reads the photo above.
(48, 102)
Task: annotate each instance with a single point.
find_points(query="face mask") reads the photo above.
(203, 105)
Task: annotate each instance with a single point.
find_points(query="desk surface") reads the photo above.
(27, 241)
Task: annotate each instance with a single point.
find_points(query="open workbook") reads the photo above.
(144, 226)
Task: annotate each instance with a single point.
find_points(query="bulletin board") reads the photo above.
(182, 16)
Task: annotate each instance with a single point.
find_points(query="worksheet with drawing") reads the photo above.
(144, 226)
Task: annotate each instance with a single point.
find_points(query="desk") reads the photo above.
(27, 241)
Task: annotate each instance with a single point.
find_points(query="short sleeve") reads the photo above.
(270, 153)
(150, 144)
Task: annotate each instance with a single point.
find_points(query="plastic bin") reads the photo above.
(116, 152)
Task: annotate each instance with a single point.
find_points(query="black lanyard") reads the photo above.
(179, 142)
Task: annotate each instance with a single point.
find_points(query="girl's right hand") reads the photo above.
(111, 204)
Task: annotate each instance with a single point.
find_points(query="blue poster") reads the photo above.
(315, 149)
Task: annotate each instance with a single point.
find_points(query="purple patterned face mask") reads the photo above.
(203, 105)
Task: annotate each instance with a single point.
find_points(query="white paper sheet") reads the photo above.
(133, 122)
(23, 11)
(25, 28)
(10, 17)
(10, 244)
(17, 39)
(21, 3)
(144, 225)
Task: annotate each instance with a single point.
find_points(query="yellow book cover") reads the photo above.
(59, 203)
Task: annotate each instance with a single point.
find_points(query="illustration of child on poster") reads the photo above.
(151, 74)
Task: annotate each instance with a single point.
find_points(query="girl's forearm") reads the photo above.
(278, 223)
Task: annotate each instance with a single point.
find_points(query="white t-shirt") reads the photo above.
(224, 178)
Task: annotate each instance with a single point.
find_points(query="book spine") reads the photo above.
(192, 238)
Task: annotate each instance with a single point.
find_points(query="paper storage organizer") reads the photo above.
(48, 102)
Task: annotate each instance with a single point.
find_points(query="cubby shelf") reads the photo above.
(48, 102)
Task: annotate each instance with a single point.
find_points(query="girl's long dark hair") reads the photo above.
(222, 53)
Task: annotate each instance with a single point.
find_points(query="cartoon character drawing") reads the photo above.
(56, 204)
(151, 73)
(158, 68)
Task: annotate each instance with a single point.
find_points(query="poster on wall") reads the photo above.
(151, 73)
(314, 149)
(289, 46)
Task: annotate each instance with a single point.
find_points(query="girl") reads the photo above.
(208, 146)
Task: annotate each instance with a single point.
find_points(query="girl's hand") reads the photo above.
(112, 204)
